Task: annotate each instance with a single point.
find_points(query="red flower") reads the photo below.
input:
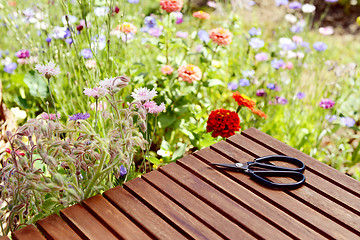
(8, 150)
(243, 100)
(223, 123)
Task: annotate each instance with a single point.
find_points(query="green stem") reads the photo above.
(96, 176)
(52, 99)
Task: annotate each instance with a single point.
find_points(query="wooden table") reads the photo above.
(191, 200)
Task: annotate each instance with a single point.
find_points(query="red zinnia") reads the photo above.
(243, 100)
(223, 123)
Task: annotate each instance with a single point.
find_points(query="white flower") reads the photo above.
(59, 32)
(326, 30)
(115, 83)
(19, 114)
(48, 70)
(101, 11)
(143, 94)
(248, 73)
(163, 153)
(308, 8)
(290, 18)
(72, 19)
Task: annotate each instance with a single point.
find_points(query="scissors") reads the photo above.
(272, 170)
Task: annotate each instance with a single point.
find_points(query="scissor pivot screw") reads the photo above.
(239, 165)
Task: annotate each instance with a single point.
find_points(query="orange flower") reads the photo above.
(221, 36)
(167, 69)
(201, 14)
(171, 5)
(127, 28)
(259, 113)
(243, 100)
(189, 73)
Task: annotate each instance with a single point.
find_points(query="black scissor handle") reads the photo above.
(258, 163)
(260, 177)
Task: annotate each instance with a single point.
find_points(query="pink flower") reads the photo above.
(201, 14)
(261, 57)
(90, 63)
(127, 28)
(189, 73)
(326, 31)
(143, 94)
(297, 39)
(221, 36)
(171, 5)
(115, 83)
(8, 150)
(153, 108)
(167, 69)
(326, 103)
(289, 65)
(48, 70)
(51, 116)
(96, 92)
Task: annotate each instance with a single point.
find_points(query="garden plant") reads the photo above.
(104, 91)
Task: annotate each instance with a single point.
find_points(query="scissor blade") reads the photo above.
(224, 165)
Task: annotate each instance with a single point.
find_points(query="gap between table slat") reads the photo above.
(195, 206)
(240, 194)
(319, 168)
(298, 210)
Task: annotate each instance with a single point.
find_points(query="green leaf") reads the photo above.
(165, 120)
(179, 152)
(215, 82)
(36, 85)
(154, 160)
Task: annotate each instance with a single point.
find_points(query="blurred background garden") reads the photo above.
(120, 87)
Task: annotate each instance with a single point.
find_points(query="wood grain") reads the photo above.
(29, 232)
(54, 228)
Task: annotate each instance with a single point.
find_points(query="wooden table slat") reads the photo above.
(164, 206)
(297, 209)
(241, 194)
(192, 204)
(115, 220)
(29, 232)
(53, 227)
(4, 238)
(319, 184)
(338, 213)
(222, 203)
(327, 172)
(85, 224)
(143, 216)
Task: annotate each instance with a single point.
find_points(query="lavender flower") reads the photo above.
(155, 31)
(331, 1)
(181, 34)
(233, 86)
(281, 2)
(123, 170)
(69, 41)
(133, 1)
(278, 63)
(244, 82)
(10, 67)
(203, 35)
(326, 103)
(330, 118)
(86, 53)
(281, 100)
(59, 32)
(295, 5)
(101, 11)
(255, 31)
(300, 95)
(256, 43)
(179, 17)
(48, 40)
(261, 57)
(79, 116)
(347, 121)
(271, 86)
(320, 46)
(150, 21)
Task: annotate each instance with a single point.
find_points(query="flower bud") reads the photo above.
(58, 179)
(142, 125)
(33, 176)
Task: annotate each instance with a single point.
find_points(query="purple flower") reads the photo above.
(79, 116)
(300, 95)
(256, 43)
(295, 5)
(271, 86)
(23, 53)
(48, 40)
(320, 46)
(203, 35)
(133, 1)
(179, 17)
(261, 57)
(86, 53)
(233, 86)
(69, 41)
(281, 2)
(67, 33)
(244, 82)
(255, 31)
(181, 34)
(297, 28)
(347, 121)
(281, 100)
(150, 21)
(278, 63)
(330, 118)
(260, 93)
(123, 170)
(155, 32)
(326, 103)
(10, 67)
(331, 1)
